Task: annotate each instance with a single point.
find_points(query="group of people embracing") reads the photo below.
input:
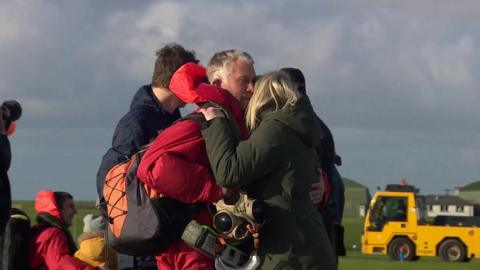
(260, 136)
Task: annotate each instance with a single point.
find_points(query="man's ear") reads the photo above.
(217, 82)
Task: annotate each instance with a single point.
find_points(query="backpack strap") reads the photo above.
(51, 221)
(199, 117)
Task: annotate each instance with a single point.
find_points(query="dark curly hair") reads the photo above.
(169, 59)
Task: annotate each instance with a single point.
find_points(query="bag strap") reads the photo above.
(198, 117)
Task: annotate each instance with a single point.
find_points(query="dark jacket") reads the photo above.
(5, 195)
(136, 129)
(278, 164)
(329, 159)
(145, 119)
(52, 246)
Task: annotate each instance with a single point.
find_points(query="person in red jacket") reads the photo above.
(176, 163)
(52, 245)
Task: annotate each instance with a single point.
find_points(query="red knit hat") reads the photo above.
(188, 83)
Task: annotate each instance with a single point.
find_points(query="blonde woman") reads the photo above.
(277, 164)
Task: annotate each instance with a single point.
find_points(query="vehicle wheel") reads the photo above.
(452, 250)
(399, 246)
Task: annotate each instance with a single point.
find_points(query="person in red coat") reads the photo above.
(52, 246)
(176, 163)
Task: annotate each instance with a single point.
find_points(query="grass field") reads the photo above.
(357, 261)
(353, 231)
(353, 261)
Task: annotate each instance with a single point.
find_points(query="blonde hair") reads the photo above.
(219, 65)
(273, 91)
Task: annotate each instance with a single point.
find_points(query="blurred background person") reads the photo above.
(93, 249)
(333, 201)
(51, 245)
(10, 111)
(153, 108)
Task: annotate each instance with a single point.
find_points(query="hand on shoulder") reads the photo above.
(211, 112)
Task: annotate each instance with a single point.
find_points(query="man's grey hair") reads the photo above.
(219, 65)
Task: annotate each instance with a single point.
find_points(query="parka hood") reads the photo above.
(190, 84)
(45, 203)
(302, 119)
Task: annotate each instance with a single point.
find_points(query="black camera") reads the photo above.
(12, 111)
(232, 218)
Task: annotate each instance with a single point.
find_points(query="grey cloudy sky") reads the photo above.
(396, 81)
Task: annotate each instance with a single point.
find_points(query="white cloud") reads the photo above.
(451, 65)
(15, 23)
(137, 34)
(377, 71)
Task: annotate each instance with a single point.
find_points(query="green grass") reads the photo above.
(356, 260)
(353, 232)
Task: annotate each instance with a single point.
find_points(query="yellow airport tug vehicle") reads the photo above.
(396, 225)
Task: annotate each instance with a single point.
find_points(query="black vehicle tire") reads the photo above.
(397, 244)
(452, 250)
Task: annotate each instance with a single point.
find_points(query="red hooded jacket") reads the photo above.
(49, 248)
(176, 163)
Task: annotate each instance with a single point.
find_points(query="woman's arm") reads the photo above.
(235, 163)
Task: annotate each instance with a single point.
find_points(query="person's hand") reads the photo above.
(226, 192)
(211, 112)
(316, 192)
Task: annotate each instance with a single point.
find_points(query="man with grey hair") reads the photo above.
(233, 71)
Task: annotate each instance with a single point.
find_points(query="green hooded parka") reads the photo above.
(277, 164)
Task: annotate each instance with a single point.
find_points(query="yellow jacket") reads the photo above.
(93, 250)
